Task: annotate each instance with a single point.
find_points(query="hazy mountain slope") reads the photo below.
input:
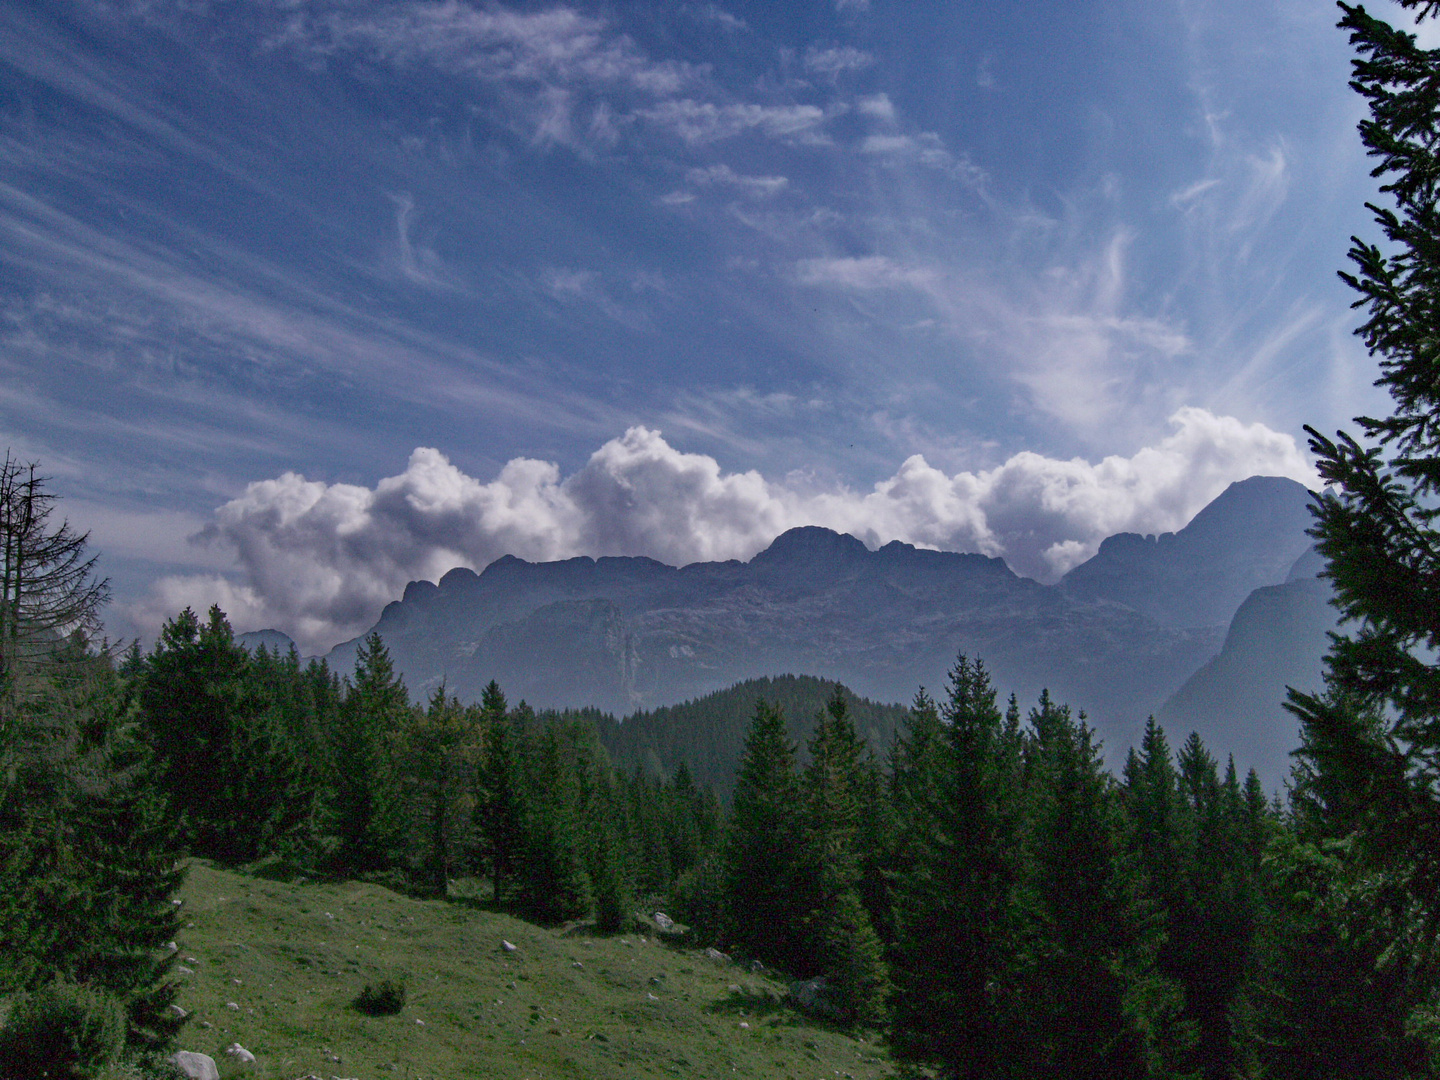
(273, 640)
(622, 634)
(1246, 538)
(708, 734)
(1117, 637)
(1277, 639)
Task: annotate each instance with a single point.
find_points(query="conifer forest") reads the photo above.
(962, 876)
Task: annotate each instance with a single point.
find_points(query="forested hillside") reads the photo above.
(708, 734)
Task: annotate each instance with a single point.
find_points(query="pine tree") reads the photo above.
(839, 940)
(237, 786)
(955, 958)
(435, 758)
(1336, 996)
(366, 796)
(499, 799)
(48, 587)
(1094, 1003)
(761, 844)
(89, 857)
(1378, 735)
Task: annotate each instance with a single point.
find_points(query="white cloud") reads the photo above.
(833, 61)
(878, 106)
(865, 272)
(555, 46)
(705, 121)
(723, 174)
(320, 560)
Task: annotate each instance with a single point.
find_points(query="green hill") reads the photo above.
(708, 734)
(291, 959)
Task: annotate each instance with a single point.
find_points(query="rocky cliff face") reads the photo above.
(1248, 537)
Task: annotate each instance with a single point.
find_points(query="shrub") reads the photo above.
(386, 998)
(63, 1031)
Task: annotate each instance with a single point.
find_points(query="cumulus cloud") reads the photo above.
(320, 560)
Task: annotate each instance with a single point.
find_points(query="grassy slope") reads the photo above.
(562, 1005)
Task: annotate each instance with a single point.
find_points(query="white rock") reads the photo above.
(663, 921)
(195, 1066)
(715, 954)
(506, 945)
(178, 1011)
(232, 1005)
(240, 1054)
(183, 970)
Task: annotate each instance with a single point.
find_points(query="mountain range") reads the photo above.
(1170, 625)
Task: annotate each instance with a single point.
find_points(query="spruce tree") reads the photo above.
(762, 916)
(89, 856)
(435, 758)
(366, 802)
(1095, 1006)
(839, 940)
(236, 784)
(956, 956)
(499, 798)
(1376, 524)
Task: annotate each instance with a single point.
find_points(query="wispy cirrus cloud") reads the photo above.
(698, 122)
(835, 60)
(555, 46)
(723, 176)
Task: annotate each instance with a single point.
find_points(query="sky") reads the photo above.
(304, 299)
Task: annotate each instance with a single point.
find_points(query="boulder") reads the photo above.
(715, 954)
(507, 946)
(663, 921)
(195, 1066)
(814, 996)
(240, 1054)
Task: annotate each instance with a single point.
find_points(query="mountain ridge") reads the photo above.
(1117, 636)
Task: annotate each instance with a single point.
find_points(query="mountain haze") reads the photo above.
(1117, 637)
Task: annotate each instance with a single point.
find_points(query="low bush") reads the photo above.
(385, 998)
(63, 1031)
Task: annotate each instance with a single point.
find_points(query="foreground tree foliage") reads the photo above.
(88, 858)
(1372, 745)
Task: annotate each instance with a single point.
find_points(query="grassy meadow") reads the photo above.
(276, 967)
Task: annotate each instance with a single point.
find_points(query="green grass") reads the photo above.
(564, 1004)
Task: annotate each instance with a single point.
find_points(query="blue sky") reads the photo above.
(302, 299)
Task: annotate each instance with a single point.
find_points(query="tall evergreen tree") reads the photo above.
(839, 940)
(437, 748)
(234, 781)
(89, 857)
(499, 797)
(762, 843)
(955, 957)
(1376, 524)
(1095, 1005)
(366, 798)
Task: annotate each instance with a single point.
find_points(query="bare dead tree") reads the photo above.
(48, 587)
